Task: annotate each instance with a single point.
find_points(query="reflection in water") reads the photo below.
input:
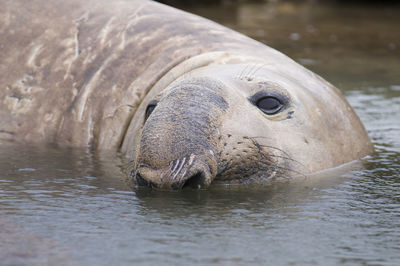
(20, 247)
(72, 207)
(322, 36)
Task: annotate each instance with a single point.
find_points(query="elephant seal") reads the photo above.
(187, 100)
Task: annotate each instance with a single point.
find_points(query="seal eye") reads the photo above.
(269, 105)
(150, 108)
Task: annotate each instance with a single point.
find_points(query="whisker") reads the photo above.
(269, 155)
(275, 148)
(258, 69)
(290, 170)
(183, 175)
(280, 167)
(258, 145)
(281, 170)
(241, 75)
(176, 165)
(249, 74)
(257, 137)
(171, 164)
(283, 157)
(180, 168)
(173, 170)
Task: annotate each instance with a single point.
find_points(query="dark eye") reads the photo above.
(270, 102)
(269, 105)
(150, 108)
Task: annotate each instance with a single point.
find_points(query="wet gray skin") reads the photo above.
(226, 107)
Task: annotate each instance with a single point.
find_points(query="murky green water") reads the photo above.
(69, 207)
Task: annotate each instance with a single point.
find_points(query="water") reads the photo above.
(63, 206)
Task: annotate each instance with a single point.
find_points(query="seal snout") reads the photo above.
(179, 137)
(181, 173)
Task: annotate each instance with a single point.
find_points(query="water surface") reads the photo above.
(63, 206)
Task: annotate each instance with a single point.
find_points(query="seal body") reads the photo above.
(188, 100)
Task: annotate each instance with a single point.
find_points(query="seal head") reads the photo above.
(218, 123)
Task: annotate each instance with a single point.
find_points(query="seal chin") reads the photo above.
(180, 174)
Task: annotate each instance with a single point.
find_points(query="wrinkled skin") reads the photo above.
(183, 101)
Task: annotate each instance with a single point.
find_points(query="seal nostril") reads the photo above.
(141, 181)
(195, 181)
